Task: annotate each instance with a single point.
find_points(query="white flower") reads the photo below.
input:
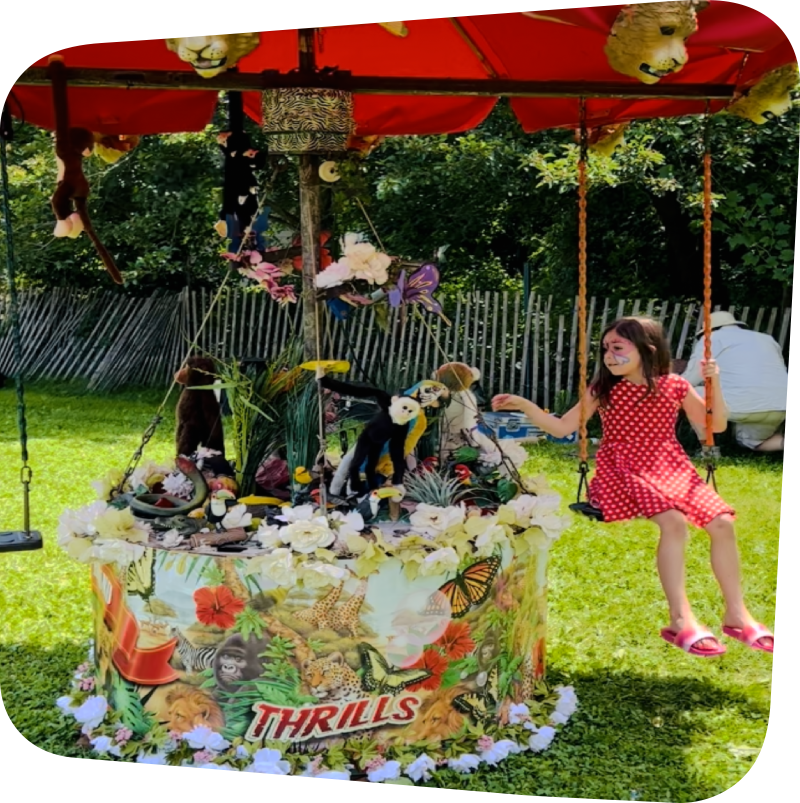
(348, 523)
(80, 522)
(171, 538)
(319, 574)
(334, 775)
(557, 718)
(510, 747)
(498, 751)
(567, 701)
(146, 473)
(212, 766)
(308, 536)
(541, 739)
(242, 752)
(115, 550)
(465, 763)
(433, 521)
(278, 567)
(103, 745)
(237, 516)
(155, 758)
(92, 712)
(203, 738)
(177, 484)
(388, 771)
(269, 762)
(268, 535)
(65, 704)
(335, 274)
(486, 542)
(421, 769)
(439, 562)
(363, 261)
(518, 713)
(299, 513)
(523, 507)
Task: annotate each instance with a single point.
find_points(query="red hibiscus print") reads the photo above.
(436, 664)
(217, 606)
(456, 641)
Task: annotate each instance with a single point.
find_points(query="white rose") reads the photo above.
(269, 535)
(433, 521)
(557, 718)
(202, 737)
(439, 562)
(307, 536)
(155, 758)
(115, 550)
(318, 574)
(269, 762)
(237, 516)
(517, 713)
(80, 522)
(277, 566)
(348, 523)
(567, 701)
(493, 536)
(388, 771)
(299, 513)
(465, 763)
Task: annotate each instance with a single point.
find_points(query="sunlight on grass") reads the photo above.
(653, 723)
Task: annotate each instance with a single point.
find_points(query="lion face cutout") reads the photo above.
(770, 98)
(212, 55)
(648, 40)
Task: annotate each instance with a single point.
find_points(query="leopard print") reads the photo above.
(331, 679)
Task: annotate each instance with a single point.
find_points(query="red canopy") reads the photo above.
(733, 47)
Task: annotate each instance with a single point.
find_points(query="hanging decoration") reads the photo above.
(212, 55)
(770, 98)
(112, 148)
(648, 40)
(606, 139)
(307, 119)
(418, 289)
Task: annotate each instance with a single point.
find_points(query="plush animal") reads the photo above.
(606, 139)
(390, 425)
(240, 189)
(71, 146)
(112, 148)
(212, 55)
(198, 414)
(648, 40)
(769, 98)
(460, 426)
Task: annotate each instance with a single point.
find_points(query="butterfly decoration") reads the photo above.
(381, 676)
(140, 578)
(483, 704)
(418, 289)
(470, 588)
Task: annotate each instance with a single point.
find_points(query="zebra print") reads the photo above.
(194, 659)
(305, 120)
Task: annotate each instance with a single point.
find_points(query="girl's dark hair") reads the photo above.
(648, 337)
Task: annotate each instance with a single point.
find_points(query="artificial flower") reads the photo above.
(277, 566)
(114, 523)
(103, 745)
(456, 641)
(212, 766)
(492, 537)
(421, 769)
(518, 713)
(177, 484)
(541, 738)
(379, 769)
(217, 606)
(436, 664)
(203, 757)
(307, 536)
(78, 548)
(65, 705)
(107, 484)
(347, 524)
(203, 738)
(154, 758)
(269, 762)
(495, 754)
(92, 712)
(319, 574)
(237, 516)
(465, 763)
(557, 718)
(440, 561)
(148, 474)
(123, 735)
(299, 513)
(567, 700)
(334, 275)
(363, 260)
(268, 535)
(433, 521)
(80, 522)
(116, 550)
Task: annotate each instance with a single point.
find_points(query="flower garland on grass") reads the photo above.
(531, 727)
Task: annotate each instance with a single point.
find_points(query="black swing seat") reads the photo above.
(19, 540)
(588, 510)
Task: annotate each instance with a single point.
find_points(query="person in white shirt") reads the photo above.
(754, 381)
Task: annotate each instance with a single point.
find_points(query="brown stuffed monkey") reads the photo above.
(198, 414)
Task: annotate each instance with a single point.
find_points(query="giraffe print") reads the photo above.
(345, 616)
(320, 612)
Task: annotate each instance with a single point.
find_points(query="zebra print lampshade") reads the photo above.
(307, 120)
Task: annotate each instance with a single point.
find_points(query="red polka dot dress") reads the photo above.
(642, 470)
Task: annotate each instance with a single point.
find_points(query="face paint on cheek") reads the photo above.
(619, 349)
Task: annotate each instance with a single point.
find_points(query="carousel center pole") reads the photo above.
(309, 216)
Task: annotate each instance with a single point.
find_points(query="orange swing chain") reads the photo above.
(710, 451)
(582, 351)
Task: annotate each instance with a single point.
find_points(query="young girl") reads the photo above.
(643, 471)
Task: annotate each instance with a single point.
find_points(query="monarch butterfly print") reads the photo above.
(469, 588)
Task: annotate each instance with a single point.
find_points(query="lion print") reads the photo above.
(188, 707)
(437, 719)
(212, 55)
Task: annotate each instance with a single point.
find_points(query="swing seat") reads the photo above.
(585, 509)
(19, 541)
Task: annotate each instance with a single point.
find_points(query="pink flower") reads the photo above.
(87, 684)
(283, 294)
(83, 668)
(203, 757)
(375, 764)
(123, 735)
(176, 736)
(485, 743)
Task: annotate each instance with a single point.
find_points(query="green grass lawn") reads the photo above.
(652, 723)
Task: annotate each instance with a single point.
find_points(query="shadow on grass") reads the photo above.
(630, 739)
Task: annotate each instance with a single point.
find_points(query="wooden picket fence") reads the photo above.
(110, 340)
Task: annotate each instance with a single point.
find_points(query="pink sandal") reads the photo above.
(688, 637)
(750, 635)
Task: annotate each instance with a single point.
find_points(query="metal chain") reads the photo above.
(26, 473)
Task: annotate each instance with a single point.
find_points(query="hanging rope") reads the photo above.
(583, 467)
(26, 474)
(710, 451)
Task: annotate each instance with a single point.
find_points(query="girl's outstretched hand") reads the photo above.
(505, 401)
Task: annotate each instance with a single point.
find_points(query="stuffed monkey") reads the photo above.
(198, 414)
(390, 425)
(72, 144)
